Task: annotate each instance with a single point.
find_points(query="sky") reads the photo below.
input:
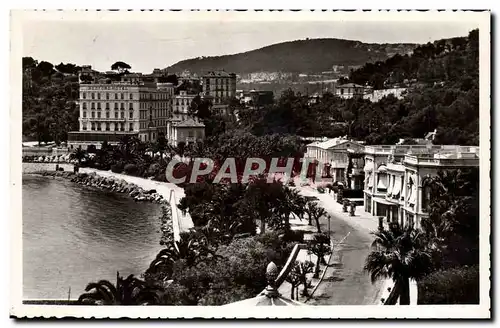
(146, 45)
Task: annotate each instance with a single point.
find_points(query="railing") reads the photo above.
(431, 160)
(175, 216)
(32, 151)
(289, 264)
(419, 149)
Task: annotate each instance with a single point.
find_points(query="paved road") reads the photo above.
(345, 282)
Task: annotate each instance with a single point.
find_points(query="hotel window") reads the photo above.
(107, 126)
(98, 105)
(131, 115)
(98, 95)
(131, 106)
(107, 96)
(93, 95)
(116, 114)
(107, 106)
(84, 126)
(92, 127)
(131, 127)
(84, 95)
(122, 106)
(84, 114)
(122, 96)
(84, 105)
(93, 114)
(92, 105)
(99, 127)
(98, 114)
(107, 114)
(123, 115)
(116, 105)
(131, 96)
(122, 127)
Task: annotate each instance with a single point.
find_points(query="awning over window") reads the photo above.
(382, 183)
(391, 186)
(413, 197)
(383, 201)
(396, 190)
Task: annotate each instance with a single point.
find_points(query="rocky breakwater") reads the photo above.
(111, 184)
(167, 230)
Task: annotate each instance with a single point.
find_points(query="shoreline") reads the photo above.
(166, 191)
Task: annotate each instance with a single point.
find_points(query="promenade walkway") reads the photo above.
(163, 188)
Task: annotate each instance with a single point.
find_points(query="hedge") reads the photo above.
(451, 286)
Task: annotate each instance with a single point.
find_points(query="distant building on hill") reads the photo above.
(351, 90)
(257, 98)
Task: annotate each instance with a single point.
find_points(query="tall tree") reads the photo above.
(400, 254)
(121, 67)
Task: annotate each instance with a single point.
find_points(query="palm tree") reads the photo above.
(192, 247)
(129, 291)
(400, 254)
(314, 211)
(452, 227)
(302, 270)
(293, 278)
(298, 276)
(79, 154)
(289, 202)
(320, 246)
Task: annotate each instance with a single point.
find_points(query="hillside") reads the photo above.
(309, 56)
(445, 98)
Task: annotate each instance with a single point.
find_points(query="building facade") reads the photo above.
(219, 86)
(110, 110)
(188, 131)
(180, 106)
(395, 175)
(336, 153)
(351, 90)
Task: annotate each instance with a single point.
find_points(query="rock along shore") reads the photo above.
(109, 183)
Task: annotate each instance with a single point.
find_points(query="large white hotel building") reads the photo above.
(136, 105)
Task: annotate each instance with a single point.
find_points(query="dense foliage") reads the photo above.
(446, 98)
(451, 286)
(50, 96)
(300, 56)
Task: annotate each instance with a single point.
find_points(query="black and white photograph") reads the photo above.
(230, 164)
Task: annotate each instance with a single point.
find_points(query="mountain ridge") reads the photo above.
(299, 56)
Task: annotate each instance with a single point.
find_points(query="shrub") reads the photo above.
(453, 286)
(296, 236)
(130, 169)
(152, 170)
(117, 168)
